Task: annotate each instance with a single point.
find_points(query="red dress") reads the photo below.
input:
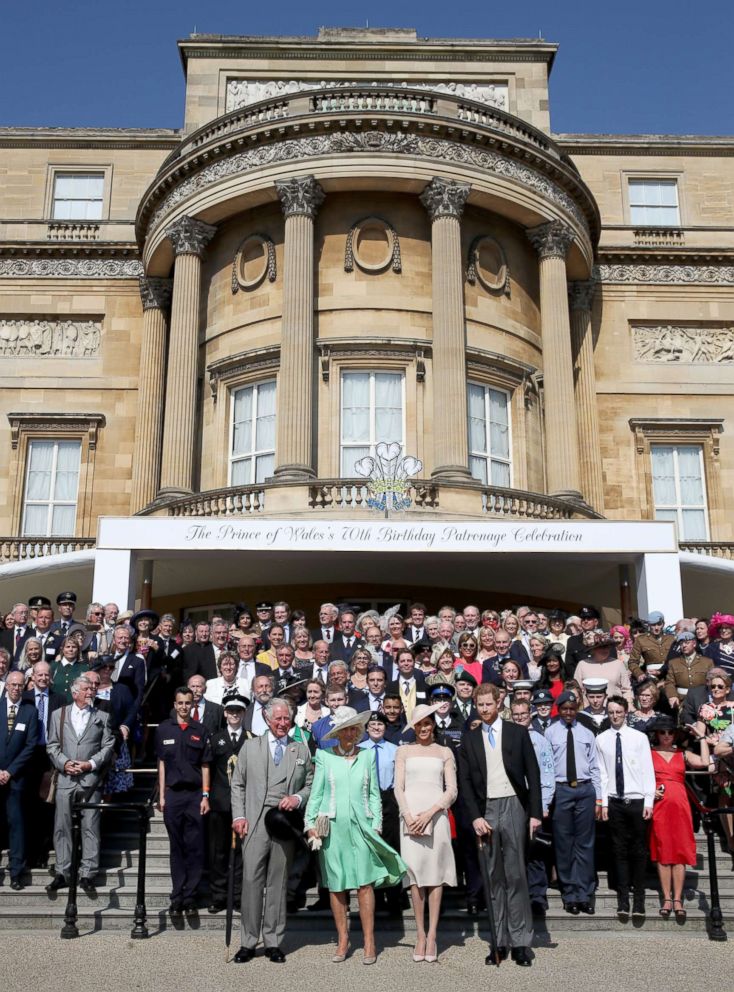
(671, 837)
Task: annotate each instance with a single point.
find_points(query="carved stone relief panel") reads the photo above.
(253, 260)
(373, 245)
(487, 265)
(25, 337)
(243, 92)
(673, 343)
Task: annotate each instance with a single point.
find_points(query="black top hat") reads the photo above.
(66, 597)
(284, 825)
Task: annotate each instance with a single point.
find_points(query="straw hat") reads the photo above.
(421, 712)
(344, 717)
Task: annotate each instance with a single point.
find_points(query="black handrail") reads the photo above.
(144, 811)
(708, 815)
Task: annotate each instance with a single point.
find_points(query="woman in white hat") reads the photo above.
(343, 822)
(425, 788)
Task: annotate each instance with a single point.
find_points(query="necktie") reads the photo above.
(327, 635)
(41, 705)
(570, 760)
(11, 718)
(195, 712)
(18, 637)
(278, 756)
(233, 738)
(406, 687)
(64, 626)
(349, 642)
(490, 735)
(619, 768)
(377, 764)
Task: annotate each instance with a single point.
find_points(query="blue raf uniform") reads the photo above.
(184, 750)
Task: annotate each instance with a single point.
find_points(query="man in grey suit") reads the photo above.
(82, 762)
(272, 772)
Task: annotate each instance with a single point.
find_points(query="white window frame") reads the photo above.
(679, 506)
(373, 439)
(652, 180)
(50, 503)
(254, 453)
(486, 455)
(83, 174)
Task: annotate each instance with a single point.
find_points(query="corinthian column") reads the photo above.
(552, 241)
(189, 238)
(444, 200)
(300, 199)
(156, 297)
(581, 295)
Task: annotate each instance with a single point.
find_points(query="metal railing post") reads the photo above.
(140, 930)
(70, 928)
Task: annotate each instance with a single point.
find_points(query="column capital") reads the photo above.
(445, 198)
(155, 293)
(190, 236)
(581, 294)
(551, 240)
(302, 195)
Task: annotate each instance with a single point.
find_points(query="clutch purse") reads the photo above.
(428, 832)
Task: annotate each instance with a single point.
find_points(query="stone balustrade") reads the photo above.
(501, 502)
(72, 230)
(231, 502)
(337, 494)
(718, 549)
(25, 548)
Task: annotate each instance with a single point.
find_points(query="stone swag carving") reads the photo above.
(678, 275)
(20, 338)
(671, 343)
(269, 267)
(53, 267)
(392, 259)
(445, 198)
(302, 195)
(243, 92)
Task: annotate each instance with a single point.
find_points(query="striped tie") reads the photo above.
(11, 718)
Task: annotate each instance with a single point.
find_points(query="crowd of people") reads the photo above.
(387, 755)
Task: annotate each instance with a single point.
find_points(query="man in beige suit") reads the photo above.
(80, 744)
(272, 772)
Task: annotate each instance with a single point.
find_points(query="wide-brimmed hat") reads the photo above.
(345, 717)
(145, 615)
(602, 640)
(421, 712)
(719, 620)
(284, 825)
(665, 722)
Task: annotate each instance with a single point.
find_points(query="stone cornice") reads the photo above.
(51, 423)
(89, 137)
(43, 262)
(645, 144)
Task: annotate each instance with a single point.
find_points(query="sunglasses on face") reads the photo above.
(718, 685)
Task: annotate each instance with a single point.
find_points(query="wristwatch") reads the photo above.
(205, 795)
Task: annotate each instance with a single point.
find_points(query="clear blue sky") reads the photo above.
(652, 66)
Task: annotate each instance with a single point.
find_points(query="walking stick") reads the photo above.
(484, 844)
(230, 896)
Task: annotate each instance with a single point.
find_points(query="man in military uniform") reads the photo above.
(651, 648)
(465, 684)
(66, 602)
(594, 716)
(687, 670)
(542, 705)
(225, 745)
(184, 756)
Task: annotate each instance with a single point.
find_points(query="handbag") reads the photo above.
(50, 778)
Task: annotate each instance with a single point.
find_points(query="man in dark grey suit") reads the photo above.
(82, 763)
(272, 772)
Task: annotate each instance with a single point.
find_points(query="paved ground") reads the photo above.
(189, 960)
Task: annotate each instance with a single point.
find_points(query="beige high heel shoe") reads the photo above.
(338, 958)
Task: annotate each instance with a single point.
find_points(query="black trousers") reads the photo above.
(628, 832)
(220, 844)
(39, 815)
(391, 835)
(185, 826)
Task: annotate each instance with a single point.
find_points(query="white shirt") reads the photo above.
(259, 727)
(639, 774)
(273, 741)
(79, 720)
(246, 673)
(217, 688)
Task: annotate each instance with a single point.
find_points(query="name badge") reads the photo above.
(420, 695)
(20, 726)
(194, 738)
(175, 653)
(171, 741)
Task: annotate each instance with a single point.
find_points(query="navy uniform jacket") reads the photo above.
(183, 751)
(16, 748)
(222, 751)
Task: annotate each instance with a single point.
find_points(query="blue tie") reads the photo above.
(490, 735)
(278, 756)
(42, 717)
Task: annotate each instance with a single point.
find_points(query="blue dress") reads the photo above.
(353, 854)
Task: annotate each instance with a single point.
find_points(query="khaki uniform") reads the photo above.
(685, 673)
(648, 650)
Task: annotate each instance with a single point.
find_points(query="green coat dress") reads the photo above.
(353, 854)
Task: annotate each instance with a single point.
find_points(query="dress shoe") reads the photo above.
(87, 885)
(339, 958)
(586, 907)
(58, 882)
(572, 908)
(472, 909)
(215, 907)
(16, 885)
(176, 908)
(501, 953)
(539, 907)
(189, 908)
(521, 956)
(275, 955)
(244, 955)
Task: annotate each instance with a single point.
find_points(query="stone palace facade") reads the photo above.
(359, 238)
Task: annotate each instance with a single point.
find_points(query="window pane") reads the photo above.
(356, 407)
(241, 472)
(478, 467)
(689, 468)
(40, 462)
(663, 475)
(63, 521)
(264, 465)
(36, 520)
(389, 408)
(694, 526)
(500, 474)
(265, 430)
(242, 433)
(666, 515)
(477, 419)
(67, 470)
(349, 457)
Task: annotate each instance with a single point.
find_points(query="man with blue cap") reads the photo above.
(651, 648)
(685, 671)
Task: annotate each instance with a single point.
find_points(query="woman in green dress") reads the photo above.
(343, 822)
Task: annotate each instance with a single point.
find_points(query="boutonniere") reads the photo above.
(292, 748)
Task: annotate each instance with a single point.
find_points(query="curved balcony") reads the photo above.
(351, 496)
(370, 119)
